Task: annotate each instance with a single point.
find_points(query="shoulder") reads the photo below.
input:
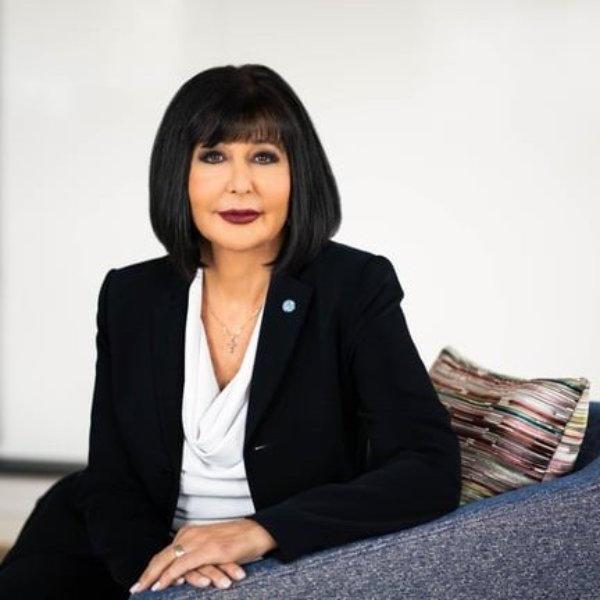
(362, 286)
(340, 259)
(140, 283)
(352, 284)
(350, 268)
(157, 268)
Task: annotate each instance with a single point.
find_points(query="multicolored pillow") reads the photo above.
(512, 431)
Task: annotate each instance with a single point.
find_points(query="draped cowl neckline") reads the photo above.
(213, 419)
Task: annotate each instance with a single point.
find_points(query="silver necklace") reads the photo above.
(233, 337)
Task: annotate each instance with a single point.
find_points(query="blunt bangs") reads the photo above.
(250, 124)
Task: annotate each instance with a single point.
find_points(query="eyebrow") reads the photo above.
(278, 146)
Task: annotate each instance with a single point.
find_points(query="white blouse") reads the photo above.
(213, 484)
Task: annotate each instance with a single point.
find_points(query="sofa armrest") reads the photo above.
(539, 541)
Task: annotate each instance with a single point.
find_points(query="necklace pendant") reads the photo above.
(232, 344)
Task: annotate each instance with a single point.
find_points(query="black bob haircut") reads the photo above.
(249, 103)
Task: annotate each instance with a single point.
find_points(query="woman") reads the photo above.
(258, 396)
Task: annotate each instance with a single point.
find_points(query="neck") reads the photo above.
(237, 281)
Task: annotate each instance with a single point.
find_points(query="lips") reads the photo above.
(239, 216)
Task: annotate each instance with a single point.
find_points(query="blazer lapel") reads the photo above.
(286, 307)
(285, 310)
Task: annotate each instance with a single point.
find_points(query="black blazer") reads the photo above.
(345, 436)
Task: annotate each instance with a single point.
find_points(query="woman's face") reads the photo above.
(238, 176)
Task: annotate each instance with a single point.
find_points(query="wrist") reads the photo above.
(266, 540)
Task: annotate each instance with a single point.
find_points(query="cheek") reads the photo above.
(194, 187)
(201, 185)
(276, 191)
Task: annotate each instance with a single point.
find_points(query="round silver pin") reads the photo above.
(288, 305)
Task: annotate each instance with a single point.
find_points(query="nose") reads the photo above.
(240, 180)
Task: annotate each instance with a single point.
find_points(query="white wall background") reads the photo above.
(464, 135)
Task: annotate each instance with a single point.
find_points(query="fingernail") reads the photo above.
(156, 586)
(240, 574)
(224, 583)
(180, 581)
(134, 588)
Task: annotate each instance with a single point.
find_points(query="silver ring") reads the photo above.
(179, 550)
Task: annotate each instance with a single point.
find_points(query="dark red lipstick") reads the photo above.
(239, 216)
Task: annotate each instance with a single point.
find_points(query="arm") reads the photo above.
(414, 473)
(124, 527)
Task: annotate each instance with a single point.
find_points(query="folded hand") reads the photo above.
(211, 551)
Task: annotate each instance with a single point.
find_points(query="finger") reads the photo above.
(195, 578)
(153, 571)
(216, 575)
(233, 570)
(183, 529)
(163, 569)
(188, 561)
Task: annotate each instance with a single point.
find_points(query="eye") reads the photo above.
(272, 157)
(204, 157)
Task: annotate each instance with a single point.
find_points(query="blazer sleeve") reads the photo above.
(124, 526)
(414, 474)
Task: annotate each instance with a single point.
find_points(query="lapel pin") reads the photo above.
(288, 305)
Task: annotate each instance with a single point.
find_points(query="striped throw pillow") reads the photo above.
(512, 431)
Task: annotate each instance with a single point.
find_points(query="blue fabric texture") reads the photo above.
(539, 541)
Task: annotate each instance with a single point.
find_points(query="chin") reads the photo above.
(240, 245)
